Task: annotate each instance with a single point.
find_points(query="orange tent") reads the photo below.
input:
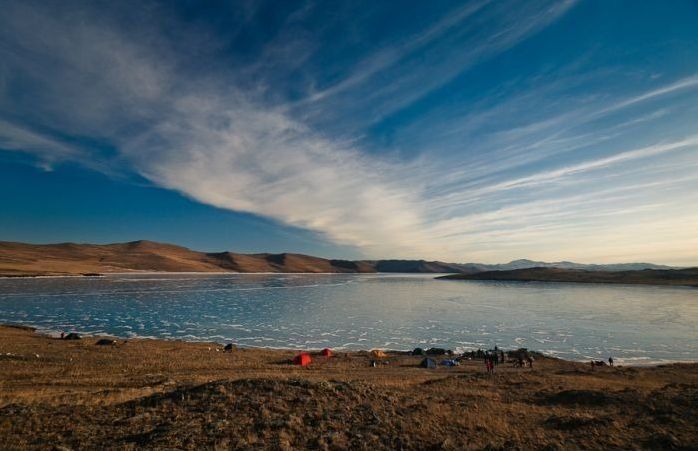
(302, 359)
(327, 352)
(378, 354)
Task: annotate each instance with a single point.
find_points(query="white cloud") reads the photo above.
(555, 175)
(231, 154)
(679, 85)
(384, 58)
(14, 137)
(463, 45)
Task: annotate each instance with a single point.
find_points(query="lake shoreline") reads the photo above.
(55, 334)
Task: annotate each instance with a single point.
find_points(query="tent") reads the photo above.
(327, 352)
(428, 363)
(302, 359)
(378, 354)
(448, 362)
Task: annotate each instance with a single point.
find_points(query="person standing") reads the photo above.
(610, 361)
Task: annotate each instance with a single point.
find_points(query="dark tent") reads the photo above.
(327, 352)
(418, 351)
(106, 342)
(229, 347)
(302, 359)
(72, 336)
(428, 363)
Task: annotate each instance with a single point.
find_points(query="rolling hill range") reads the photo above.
(22, 259)
(686, 276)
(69, 258)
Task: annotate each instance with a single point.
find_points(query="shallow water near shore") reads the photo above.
(634, 324)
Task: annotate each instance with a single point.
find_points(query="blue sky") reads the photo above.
(462, 131)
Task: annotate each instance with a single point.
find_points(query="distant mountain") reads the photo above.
(523, 263)
(423, 266)
(21, 259)
(416, 266)
(687, 276)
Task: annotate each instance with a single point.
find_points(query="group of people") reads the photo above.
(595, 363)
(493, 358)
(523, 360)
(495, 353)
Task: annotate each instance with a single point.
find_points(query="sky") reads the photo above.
(480, 131)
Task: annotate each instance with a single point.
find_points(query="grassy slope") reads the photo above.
(66, 259)
(687, 276)
(160, 394)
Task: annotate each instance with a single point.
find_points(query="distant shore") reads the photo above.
(674, 277)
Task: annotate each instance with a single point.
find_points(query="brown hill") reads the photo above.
(19, 259)
(687, 276)
(285, 262)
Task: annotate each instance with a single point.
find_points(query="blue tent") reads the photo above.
(428, 363)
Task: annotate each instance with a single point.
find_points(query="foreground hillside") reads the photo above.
(60, 394)
(688, 276)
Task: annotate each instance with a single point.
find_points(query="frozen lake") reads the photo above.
(634, 324)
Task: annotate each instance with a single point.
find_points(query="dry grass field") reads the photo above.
(60, 394)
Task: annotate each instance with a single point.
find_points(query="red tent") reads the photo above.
(302, 359)
(327, 352)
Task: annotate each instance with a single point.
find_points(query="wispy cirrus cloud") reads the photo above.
(557, 174)
(262, 162)
(384, 58)
(21, 139)
(397, 75)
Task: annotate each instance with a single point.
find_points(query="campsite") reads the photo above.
(75, 394)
